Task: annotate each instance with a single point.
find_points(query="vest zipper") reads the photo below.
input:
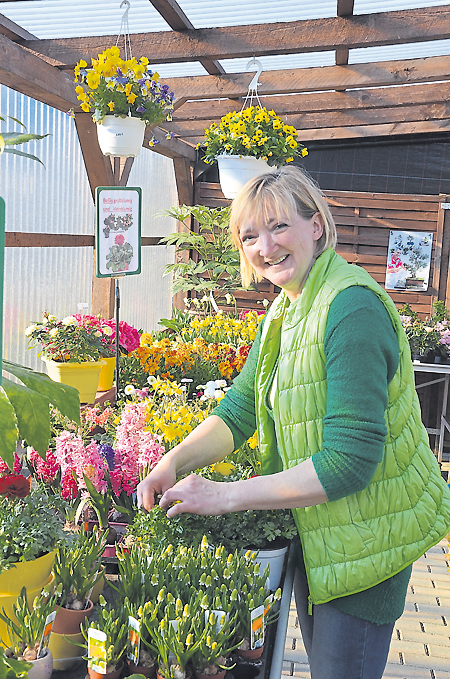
(310, 605)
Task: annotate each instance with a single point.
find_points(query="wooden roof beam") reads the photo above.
(171, 148)
(24, 72)
(292, 81)
(172, 13)
(311, 35)
(13, 31)
(344, 9)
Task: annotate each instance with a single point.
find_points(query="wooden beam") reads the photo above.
(172, 13)
(382, 97)
(185, 187)
(344, 9)
(13, 31)
(311, 35)
(24, 72)
(333, 119)
(171, 148)
(290, 81)
(424, 127)
(19, 239)
(98, 166)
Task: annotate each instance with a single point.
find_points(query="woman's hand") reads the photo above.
(195, 495)
(160, 479)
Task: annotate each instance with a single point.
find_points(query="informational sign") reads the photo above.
(408, 261)
(118, 231)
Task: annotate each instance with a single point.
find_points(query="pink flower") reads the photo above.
(46, 470)
(119, 239)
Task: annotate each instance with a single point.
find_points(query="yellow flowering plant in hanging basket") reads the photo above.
(254, 132)
(113, 86)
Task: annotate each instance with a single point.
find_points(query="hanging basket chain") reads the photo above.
(253, 86)
(125, 30)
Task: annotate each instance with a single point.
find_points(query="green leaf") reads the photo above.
(12, 138)
(9, 430)
(32, 414)
(25, 155)
(63, 397)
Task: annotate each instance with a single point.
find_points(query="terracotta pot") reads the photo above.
(111, 675)
(141, 669)
(250, 653)
(42, 667)
(68, 621)
(220, 674)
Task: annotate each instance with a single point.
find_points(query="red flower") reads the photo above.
(14, 485)
(119, 239)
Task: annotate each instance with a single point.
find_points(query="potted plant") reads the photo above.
(11, 668)
(216, 644)
(255, 603)
(29, 628)
(72, 353)
(429, 339)
(113, 623)
(77, 570)
(122, 95)
(247, 143)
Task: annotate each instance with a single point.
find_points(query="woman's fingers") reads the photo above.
(193, 495)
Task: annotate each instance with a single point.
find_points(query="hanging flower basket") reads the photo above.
(121, 136)
(235, 171)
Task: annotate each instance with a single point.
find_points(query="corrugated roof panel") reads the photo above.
(433, 48)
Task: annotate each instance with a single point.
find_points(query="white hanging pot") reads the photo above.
(121, 136)
(235, 171)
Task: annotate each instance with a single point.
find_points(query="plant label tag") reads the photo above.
(220, 616)
(142, 578)
(257, 627)
(269, 604)
(43, 644)
(174, 624)
(97, 650)
(134, 640)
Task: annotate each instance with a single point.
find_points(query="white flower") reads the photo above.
(97, 333)
(196, 302)
(53, 332)
(30, 330)
(52, 319)
(265, 303)
(219, 393)
(205, 298)
(228, 298)
(203, 398)
(106, 330)
(129, 389)
(220, 383)
(151, 379)
(69, 320)
(186, 379)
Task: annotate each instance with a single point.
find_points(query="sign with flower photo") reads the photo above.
(118, 231)
(408, 261)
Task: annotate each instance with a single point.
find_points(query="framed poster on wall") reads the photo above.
(117, 231)
(409, 259)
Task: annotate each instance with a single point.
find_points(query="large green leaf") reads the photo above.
(63, 397)
(22, 153)
(32, 414)
(8, 430)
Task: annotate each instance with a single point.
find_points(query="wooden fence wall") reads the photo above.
(364, 221)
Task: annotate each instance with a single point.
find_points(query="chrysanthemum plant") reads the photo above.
(113, 86)
(255, 132)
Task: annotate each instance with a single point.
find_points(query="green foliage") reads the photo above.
(217, 269)
(29, 528)
(13, 138)
(26, 626)
(10, 668)
(25, 409)
(77, 567)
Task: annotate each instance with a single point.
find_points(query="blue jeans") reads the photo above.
(340, 646)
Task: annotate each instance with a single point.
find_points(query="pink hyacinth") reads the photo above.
(72, 455)
(4, 469)
(47, 469)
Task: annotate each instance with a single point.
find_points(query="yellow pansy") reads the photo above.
(111, 105)
(93, 80)
(223, 468)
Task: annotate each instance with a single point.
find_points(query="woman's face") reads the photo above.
(282, 250)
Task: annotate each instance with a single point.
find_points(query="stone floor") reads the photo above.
(420, 646)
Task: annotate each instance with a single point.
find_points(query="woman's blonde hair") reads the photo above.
(288, 191)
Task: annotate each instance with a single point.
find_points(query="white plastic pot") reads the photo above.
(274, 557)
(42, 667)
(121, 136)
(235, 171)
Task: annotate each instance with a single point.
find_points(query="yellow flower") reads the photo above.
(85, 107)
(93, 80)
(131, 97)
(223, 468)
(304, 152)
(111, 106)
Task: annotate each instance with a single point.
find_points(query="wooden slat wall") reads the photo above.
(363, 222)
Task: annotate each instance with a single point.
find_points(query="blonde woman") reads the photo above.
(329, 385)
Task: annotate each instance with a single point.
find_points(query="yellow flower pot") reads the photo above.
(65, 654)
(8, 600)
(82, 376)
(30, 574)
(106, 378)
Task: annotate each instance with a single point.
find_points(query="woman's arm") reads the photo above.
(210, 442)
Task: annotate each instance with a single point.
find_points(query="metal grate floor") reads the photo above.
(420, 647)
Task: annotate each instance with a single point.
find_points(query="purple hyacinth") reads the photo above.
(108, 453)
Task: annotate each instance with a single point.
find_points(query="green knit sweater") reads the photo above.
(361, 350)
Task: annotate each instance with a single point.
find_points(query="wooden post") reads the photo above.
(185, 187)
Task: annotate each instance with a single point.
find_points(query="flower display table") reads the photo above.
(443, 370)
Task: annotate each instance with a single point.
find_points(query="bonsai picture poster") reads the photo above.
(118, 231)
(408, 261)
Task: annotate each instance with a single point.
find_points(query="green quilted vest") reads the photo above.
(358, 541)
